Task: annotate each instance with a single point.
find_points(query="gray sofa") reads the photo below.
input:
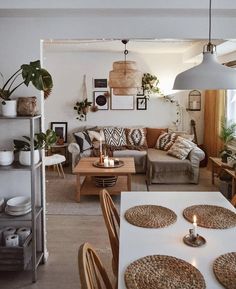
(157, 164)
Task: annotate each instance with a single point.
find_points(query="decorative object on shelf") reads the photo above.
(60, 128)
(227, 134)
(105, 181)
(41, 141)
(6, 157)
(126, 102)
(125, 79)
(194, 100)
(82, 107)
(210, 74)
(18, 206)
(101, 100)
(100, 83)
(150, 84)
(141, 103)
(30, 73)
(27, 106)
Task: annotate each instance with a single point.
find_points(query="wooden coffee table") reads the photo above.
(86, 168)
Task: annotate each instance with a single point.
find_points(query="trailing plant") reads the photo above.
(41, 141)
(29, 73)
(82, 108)
(150, 84)
(227, 134)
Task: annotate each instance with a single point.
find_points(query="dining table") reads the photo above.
(137, 242)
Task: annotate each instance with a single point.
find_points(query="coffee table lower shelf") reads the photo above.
(88, 186)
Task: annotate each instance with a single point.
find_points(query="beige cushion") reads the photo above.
(96, 135)
(181, 148)
(165, 141)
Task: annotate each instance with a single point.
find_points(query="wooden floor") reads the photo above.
(65, 233)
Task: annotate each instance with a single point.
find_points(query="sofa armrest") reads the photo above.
(196, 155)
(74, 149)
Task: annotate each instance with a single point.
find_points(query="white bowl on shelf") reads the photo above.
(6, 157)
(19, 203)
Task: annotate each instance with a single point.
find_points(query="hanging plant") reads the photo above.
(150, 84)
(82, 108)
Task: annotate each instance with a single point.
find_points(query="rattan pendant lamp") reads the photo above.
(210, 74)
(125, 79)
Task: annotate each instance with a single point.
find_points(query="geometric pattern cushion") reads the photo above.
(83, 140)
(136, 136)
(115, 136)
(181, 148)
(165, 141)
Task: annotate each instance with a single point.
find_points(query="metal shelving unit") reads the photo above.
(36, 216)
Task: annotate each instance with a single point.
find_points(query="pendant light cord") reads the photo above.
(125, 41)
(210, 21)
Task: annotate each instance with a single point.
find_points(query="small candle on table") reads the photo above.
(195, 226)
(106, 162)
(111, 163)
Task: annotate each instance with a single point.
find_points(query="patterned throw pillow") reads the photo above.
(165, 141)
(136, 137)
(181, 148)
(83, 140)
(115, 136)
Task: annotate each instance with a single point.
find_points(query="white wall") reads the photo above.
(68, 83)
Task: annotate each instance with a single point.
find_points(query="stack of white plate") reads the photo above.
(1, 204)
(18, 206)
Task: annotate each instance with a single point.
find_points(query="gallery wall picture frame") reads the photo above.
(101, 99)
(122, 102)
(141, 103)
(100, 83)
(140, 91)
(60, 129)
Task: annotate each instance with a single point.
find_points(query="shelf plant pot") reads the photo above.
(6, 158)
(25, 157)
(9, 108)
(27, 106)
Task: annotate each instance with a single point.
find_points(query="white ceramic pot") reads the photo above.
(25, 157)
(6, 158)
(9, 107)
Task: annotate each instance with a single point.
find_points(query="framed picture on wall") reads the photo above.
(101, 99)
(100, 83)
(140, 91)
(60, 129)
(141, 103)
(122, 102)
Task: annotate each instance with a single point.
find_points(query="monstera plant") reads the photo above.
(28, 73)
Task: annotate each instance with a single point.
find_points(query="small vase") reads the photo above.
(6, 158)
(25, 157)
(9, 108)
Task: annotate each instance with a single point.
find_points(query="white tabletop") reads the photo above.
(136, 242)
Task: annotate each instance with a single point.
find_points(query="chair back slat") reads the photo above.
(92, 273)
(112, 221)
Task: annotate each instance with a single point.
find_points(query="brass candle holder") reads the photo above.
(194, 240)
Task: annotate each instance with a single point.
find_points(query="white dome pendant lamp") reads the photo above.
(125, 79)
(209, 74)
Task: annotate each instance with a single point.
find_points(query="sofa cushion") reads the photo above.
(181, 148)
(152, 135)
(115, 136)
(96, 135)
(165, 140)
(136, 137)
(83, 140)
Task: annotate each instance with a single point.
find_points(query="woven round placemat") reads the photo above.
(163, 272)
(150, 216)
(209, 216)
(224, 268)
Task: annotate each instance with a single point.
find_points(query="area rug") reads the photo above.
(60, 193)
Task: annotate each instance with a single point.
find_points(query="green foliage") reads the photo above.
(30, 73)
(227, 134)
(82, 109)
(41, 141)
(150, 84)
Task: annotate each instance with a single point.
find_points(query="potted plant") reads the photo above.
(228, 131)
(150, 84)
(82, 108)
(6, 157)
(29, 73)
(41, 141)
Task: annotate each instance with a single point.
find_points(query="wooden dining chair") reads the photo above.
(92, 273)
(112, 221)
(233, 201)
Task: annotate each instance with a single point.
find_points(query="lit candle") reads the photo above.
(195, 226)
(106, 162)
(100, 145)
